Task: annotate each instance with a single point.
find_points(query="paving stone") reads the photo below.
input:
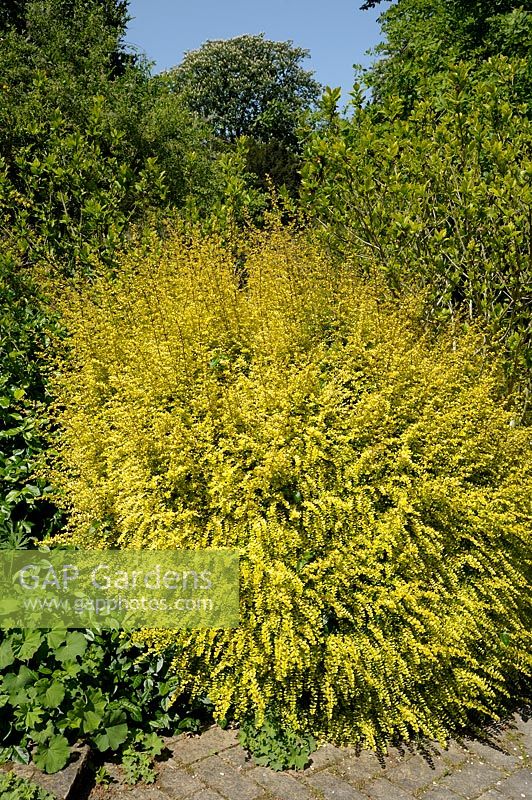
(194, 748)
(453, 754)
(523, 722)
(115, 771)
(172, 742)
(176, 782)
(111, 792)
(440, 794)
(145, 793)
(524, 726)
(206, 794)
(219, 738)
(493, 755)
(279, 784)
(396, 755)
(214, 767)
(517, 786)
(357, 769)
(62, 785)
(219, 775)
(471, 779)
(332, 787)
(238, 758)
(326, 755)
(516, 738)
(416, 773)
(382, 789)
(212, 741)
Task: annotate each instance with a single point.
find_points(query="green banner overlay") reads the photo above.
(126, 589)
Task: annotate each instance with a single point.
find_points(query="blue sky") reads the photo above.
(336, 32)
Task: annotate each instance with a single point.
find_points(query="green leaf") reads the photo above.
(56, 638)
(54, 695)
(52, 756)
(154, 744)
(25, 676)
(91, 721)
(32, 642)
(33, 717)
(21, 755)
(6, 654)
(113, 737)
(75, 646)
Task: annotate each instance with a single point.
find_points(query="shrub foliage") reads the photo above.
(377, 489)
(439, 196)
(58, 687)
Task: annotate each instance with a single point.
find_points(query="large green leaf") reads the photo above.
(75, 646)
(56, 638)
(113, 737)
(52, 756)
(6, 654)
(54, 695)
(32, 642)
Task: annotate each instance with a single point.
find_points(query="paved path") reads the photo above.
(214, 767)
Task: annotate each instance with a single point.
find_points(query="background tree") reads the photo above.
(250, 86)
(423, 36)
(17, 15)
(429, 182)
(85, 149)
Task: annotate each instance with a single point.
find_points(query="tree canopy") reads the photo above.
(247, 86)
(19, 15)
(86, 147)
(423, 36)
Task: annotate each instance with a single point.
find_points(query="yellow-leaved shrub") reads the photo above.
(376, 487)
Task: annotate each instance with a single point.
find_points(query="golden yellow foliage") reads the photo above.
(378, 491)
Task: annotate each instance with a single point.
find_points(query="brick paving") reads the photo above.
(214, 767)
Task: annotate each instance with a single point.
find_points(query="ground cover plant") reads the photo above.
(367, 470)
(58, 687)
(25, 513)
(13, 788)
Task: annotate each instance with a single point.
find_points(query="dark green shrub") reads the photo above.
(25, 325)
(437, 198)
(58, 687)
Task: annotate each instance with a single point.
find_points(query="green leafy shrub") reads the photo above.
(20, 491)
(437, 197)
(26, 513)
(90, 143)
(68, 193)
(276, 747)
(13, 788)
(421, 37)
(378, 490)
(57, 687)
